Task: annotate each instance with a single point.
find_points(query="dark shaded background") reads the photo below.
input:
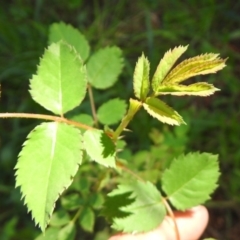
(148, 26)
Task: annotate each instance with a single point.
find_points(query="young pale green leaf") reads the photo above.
(190, 179)
(146, 210)
(141, 78)
(112, 111)
(87, 219)
(100, 147)
(160, 110)
(46, 165)
(197, 89)
(60, 84)
(62, 31)
(68, 232)
(199, 65)
(165, 65)
(104, 67)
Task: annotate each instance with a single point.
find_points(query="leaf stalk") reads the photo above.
(93, 108)
(45, 117)
(171, 214)
(133, 108)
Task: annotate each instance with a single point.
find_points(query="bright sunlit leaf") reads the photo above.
(60, 84)
(165, 65)
(104, 67)
(143, 207)
(112, 111)
(196, 89)
(100, 147)
(160, 110)
(141, 78)
(199, 65)
(47, 163)
(62, 31)
(191, 179)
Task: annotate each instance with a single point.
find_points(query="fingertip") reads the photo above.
(191, 224)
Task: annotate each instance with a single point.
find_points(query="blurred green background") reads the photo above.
(149, 26)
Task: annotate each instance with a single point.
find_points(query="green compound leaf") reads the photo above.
(160, 110)
(165, 65)
(104, 67)
(63, 31)
(111, 112)
(60, 218)
(72, 201)
(87, 219)
(68, 232)
(199, 65)
(50, 233)
(113, 203)
(197, 89)
(190, 179)
(141, 78)
(46, 165)
(60, 84)
(100, 147)
(96, 200)
(144, 213)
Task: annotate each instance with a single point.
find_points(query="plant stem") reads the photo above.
(77, 215)
(45, 117)
(133, 108)
(91, 98)
(171, 214)
(124, 168)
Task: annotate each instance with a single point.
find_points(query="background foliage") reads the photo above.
(147, 26)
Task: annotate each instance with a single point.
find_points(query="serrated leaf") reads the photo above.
(48, 161)
(141, 78)
(62, 31)
(160, 110)
(104, 67)
(60, 218)
(68, 232)
(190, 179)
(146, 211)
(87, 219)
(114, 202)
(112, 111)
(197, 89)
(100, 147)
(60, 84)
(165, 65)
(199, 65)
